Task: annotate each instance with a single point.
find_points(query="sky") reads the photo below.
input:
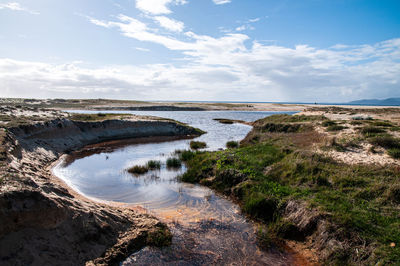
(201, 50)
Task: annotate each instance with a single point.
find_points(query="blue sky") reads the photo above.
(226, 50)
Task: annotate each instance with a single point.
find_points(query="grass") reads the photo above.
(196, 145)
(268, 170)
(185, 155)
(153, 165)
(328, 123)
(394, 153)
(372, 131)
(138, 170)
(335, 127)
(96, 117)
(174, 162)
(232, 144)
(142, 169)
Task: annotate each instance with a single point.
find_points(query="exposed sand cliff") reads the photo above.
(43, 222)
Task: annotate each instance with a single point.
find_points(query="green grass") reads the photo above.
(153, 165)
(362, 201)
(372, 131)
(185, 155)
(328, 123)
(335, 127)
(138, 170)
(196, 145)
(395, 153)
(174, 163)
(232, 144)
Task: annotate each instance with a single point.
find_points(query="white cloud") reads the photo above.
(170, 24)
(133, 28)
(221, 2)
(17, 7)
(254, 20)
(142, 49)
(157, 7)
(223, 69)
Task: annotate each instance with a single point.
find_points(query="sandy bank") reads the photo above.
(43, 222)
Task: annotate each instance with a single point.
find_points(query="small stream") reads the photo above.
(207, 228)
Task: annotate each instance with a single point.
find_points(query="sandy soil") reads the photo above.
(362, 154)
(43, 221)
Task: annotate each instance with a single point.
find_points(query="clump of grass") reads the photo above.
(278, 127)
(371, 131)
(159, 237)
(153, 165)
(285, 118)
(138, 170)
(328, 123)
(335, 127)
(186, 155)
(356, 123)
(195, 145)
(387, 142)
(232, 144)
(394, 153)
(174, 163)
(382, 124)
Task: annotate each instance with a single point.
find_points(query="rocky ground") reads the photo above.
(44, 222)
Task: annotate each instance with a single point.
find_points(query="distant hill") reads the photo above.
(388, 101)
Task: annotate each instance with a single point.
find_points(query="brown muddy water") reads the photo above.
(207, 228)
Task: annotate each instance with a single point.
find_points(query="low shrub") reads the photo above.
(195, 145)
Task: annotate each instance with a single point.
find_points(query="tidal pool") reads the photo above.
(207, 228)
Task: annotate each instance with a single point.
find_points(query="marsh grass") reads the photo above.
(232, 144)
(196, 145)
(138, 170)
(153, 165)
(174, 162)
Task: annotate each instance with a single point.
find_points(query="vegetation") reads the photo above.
(271, 169)
(138, 170)
(174, 162)
(153, 165)
(185, 155)
(371, 131)
(97, 117)
(335, 128)
(159, 237)
(232, 144)
(195, 145)
(229, 121)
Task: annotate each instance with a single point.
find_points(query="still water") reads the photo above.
(207, 228)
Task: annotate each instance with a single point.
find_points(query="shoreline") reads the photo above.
(47, 215)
